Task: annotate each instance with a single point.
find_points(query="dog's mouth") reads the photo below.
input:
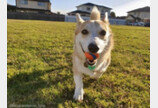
(88, 62)
(91, 62)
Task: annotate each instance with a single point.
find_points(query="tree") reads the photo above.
(58, 13)
(113, 15)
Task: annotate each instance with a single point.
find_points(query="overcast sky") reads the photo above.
(120, 7)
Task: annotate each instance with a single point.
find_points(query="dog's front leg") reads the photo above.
(78, 95)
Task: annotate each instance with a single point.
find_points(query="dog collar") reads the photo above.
(89, 66)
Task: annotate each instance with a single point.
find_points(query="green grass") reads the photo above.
(40, 67)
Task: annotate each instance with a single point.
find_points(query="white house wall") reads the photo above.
(142, 15)
(32, 4)
(84, 8)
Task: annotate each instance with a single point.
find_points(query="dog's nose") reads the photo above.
(93, 48)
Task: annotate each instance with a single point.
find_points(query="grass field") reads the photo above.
(39, 67)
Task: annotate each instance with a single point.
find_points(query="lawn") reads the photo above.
(40, 67)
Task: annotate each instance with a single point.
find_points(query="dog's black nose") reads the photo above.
(93, 48)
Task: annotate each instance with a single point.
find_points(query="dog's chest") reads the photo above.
(79, 65)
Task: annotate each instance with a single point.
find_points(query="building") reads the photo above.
(85, 9)
(137, 15)
(33, 6)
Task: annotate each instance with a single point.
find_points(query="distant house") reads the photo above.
(33, 6)
(85, 9)
(141, 14)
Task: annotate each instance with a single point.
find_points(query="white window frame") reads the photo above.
(24, 2)
(42, 4)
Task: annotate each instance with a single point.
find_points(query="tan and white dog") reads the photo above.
(93, 36)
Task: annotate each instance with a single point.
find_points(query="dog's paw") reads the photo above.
(78, 95)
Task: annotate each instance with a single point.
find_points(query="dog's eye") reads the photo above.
(103, 33)
(84, 32)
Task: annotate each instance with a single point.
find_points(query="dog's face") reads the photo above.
(93, 35)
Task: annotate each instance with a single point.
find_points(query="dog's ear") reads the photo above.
(95, 14)
(79, 19)
(106, 19)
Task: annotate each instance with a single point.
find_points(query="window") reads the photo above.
(41, 4)
(102, 11)
(25, 2)
(88, 8)
(83, 15)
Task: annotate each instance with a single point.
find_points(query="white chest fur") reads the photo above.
(97, 72)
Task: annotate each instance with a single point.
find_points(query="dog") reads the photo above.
(92, 36)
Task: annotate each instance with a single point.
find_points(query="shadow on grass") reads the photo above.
(22, 87)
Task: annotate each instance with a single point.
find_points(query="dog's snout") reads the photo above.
(93, 48)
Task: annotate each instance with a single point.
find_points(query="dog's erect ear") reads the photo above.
(79, 19)
(95, 14)
(106, 19)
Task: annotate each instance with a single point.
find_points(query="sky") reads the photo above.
(120, 7)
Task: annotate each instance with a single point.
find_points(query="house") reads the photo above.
(33, 6)
(85, 9)
(137, 15)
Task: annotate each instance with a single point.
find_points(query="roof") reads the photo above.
(11, 5)
(91, 4)
(42, 0)
(136, 18)
(144, 9)
(79, 11)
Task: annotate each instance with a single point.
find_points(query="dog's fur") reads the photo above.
(105, 44)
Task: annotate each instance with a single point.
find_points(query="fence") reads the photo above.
(112, 21)
(73, 18)
(35, 16)
(117, 21)
(55, 17)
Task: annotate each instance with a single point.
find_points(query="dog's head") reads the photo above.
(93, 35)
